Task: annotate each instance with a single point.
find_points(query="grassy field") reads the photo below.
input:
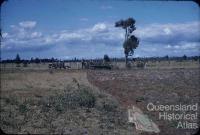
(58, 102)
(116, 65)
(43, 101)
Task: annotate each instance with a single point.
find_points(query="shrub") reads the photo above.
(86, 98)
(128, 66)
(106, 58)
(70, 98)
(140, 64)
(107, 104)
(13, 101)
(18, 65)
(23, 108)
(25, 64)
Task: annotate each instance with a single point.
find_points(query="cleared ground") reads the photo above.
(160, 87)
(38, 100)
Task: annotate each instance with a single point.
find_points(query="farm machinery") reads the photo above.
(56, 65)
(96, 65)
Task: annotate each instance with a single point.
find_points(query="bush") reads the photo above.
(13, 101)
(25, 64)
(18, 65)
(140, 64)
(107, 104)
(106, 58)
(128, 66)
(70, 98)
(23, 108)
(86, 98)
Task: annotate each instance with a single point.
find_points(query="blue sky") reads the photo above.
(85, 28)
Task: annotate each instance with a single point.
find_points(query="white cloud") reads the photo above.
(167, 31)
(155, 39)
(99, 27)
(99, 33)
(35, 34)
(170, 33)
(193, 45)
(28, 24)
(184, 46)
(68, 36)
(5, 35)
(168, 47)
(48, 40)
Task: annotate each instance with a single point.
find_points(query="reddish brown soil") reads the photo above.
(161, 87)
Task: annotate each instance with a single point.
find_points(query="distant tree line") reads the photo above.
(36, 60)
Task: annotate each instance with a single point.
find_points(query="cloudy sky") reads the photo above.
(66, 29)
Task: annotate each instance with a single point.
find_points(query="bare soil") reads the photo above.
(157, 86)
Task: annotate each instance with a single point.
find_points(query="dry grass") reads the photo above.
(37, 100)
(59, 103)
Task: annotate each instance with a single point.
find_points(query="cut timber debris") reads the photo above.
(141, 121)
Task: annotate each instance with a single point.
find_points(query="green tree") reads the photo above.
(166, 57)
(184, 57)
(17, 60)
(37, 60)
(106, 58)
(131, 42)
(1, 2)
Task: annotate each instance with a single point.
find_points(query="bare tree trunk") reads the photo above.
(126, 34)
(126, 60)
(126, 56)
